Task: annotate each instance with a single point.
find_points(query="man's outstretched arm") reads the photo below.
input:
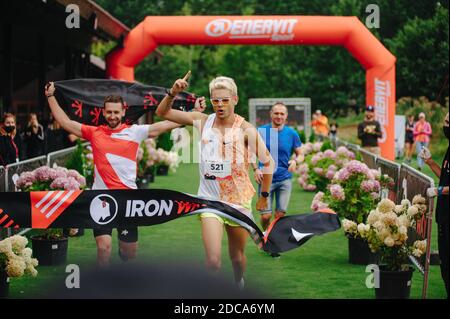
(60, 116)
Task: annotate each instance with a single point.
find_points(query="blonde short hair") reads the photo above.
(223, 82)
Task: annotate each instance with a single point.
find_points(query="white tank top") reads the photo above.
(224, 164)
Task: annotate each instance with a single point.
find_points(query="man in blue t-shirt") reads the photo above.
(281, 141)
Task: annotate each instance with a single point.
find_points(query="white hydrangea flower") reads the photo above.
(18, 242)
(389, 219)
(418, 199)
(412, 211)
(386, 205)
(27, 252)
(349, 226)
(417, 252)
(399, 209)
(384, 233)
(404, 220)
(406, 202)
(5, 246)
(15, 267)
(402, 230)
(421, 245)
(389, 241)
(373, 217)
(362, 230)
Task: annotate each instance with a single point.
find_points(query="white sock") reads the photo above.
(241, 284)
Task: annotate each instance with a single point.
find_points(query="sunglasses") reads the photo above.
(224, 101)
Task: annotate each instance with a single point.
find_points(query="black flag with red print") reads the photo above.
(82, 99)
(125, 208)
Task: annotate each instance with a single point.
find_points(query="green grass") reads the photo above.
(318, 269)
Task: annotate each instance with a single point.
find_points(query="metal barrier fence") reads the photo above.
(13, 170)
(354, 148)
(60, 157)
(2, 179)
(369, 158)
(413, 182)
(392, 169)
(339, 142)
(3, 231)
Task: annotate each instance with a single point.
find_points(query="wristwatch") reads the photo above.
(265, 194)
(439, 190)
(170, 94)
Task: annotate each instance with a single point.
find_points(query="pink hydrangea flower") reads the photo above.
(318, 196)
(71, 184)
(341, 151)
(26, 179)
(357, 167)
(375, 195)
(330, 174)
(317, 146)
(318, 170)
(140, 154)
(58, 183)
(329, 154)
(43, 173)
(337, 192)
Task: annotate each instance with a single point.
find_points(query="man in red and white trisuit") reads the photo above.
(114, 148)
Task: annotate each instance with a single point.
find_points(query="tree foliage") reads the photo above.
(415, 32)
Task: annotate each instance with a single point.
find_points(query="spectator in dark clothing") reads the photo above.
(369, 131)
(409, 138)
(34, 137)
(11, 146)
(442, 203)
(56, 137)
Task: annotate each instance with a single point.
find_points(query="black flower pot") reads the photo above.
(79, 233)
(150, 177)
(359, 252)
(394, 284)
(50, 251)
(162, 170)
(4, 284)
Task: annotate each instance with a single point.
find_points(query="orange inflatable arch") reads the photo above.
(348, 32)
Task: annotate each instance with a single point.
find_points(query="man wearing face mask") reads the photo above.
(369, 131)
(442, 203)
(10, 142)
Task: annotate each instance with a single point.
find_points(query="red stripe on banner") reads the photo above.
(3, 218)
(43, 220)
(9, 223)
(326, 210)
(270, 228)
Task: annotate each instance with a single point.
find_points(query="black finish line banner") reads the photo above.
(82, 99)
(125, 208)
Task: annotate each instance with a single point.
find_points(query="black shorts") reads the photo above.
(409, 139)
(128, 235)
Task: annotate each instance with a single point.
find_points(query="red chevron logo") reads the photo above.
(6, 221)
(47, 206)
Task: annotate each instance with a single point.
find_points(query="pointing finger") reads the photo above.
(187, 76)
